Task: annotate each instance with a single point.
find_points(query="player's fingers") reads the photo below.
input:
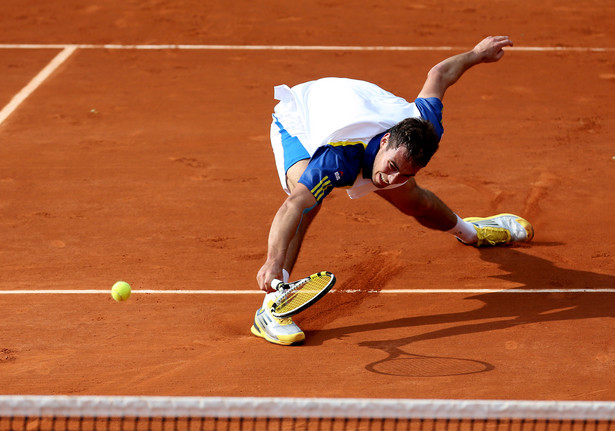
(490, 48)
(502, 41)
(495, 50)
(267, 288)
(260, 280)
(494, 57)
(265, 283)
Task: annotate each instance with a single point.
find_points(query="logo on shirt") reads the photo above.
(338, 175)
(321, 188)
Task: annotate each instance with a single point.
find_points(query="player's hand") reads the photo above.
(490, 49)
(266, 275)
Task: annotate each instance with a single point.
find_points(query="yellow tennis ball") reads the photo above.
(120, 291)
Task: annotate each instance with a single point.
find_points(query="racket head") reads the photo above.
(301, 294)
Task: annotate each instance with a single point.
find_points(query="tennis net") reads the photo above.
(229, 413)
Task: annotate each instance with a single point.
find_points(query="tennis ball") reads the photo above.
(120, 291)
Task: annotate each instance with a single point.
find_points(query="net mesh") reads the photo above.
(196, 413)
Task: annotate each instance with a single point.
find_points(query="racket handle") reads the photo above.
(275, 283)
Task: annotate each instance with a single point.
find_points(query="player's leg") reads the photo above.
(422, 204)
(431, 212)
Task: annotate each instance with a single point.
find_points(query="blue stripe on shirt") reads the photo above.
(431, 110)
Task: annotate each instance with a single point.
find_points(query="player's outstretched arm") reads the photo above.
(283, 230)
(447, 72)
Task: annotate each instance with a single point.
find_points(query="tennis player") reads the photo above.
(337, 132)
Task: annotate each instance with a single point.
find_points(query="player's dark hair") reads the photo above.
(419, 138)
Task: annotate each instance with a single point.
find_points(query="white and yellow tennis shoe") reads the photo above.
(275, 330)
(501, 229)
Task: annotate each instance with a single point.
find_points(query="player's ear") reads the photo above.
(384, 141)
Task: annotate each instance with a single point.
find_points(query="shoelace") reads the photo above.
(488, 233)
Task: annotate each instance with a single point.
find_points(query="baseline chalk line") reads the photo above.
(258, 292)
(296, 47)
(35, 82)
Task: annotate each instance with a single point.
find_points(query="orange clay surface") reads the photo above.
(154, 167)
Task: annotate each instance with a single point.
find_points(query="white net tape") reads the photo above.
(141, 406)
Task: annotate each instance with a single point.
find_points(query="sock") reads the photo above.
(465, 231)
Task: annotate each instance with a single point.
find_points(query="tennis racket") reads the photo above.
(301, 294)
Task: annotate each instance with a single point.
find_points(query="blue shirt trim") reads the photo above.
(431, 110)
(370, 155)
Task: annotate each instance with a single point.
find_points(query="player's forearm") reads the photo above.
(449, 71)
(277, 248)
(281, 233)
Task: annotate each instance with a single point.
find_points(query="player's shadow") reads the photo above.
(500, 310)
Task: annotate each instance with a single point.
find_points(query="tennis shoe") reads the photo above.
(501, 229)
(276, 330)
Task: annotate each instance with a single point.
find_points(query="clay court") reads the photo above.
(144, 156)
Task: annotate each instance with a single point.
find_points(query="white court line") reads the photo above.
(35, 82)
(253, 292)
(295, 47)
(68, 49)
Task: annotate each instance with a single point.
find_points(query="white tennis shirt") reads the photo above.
(333, 110)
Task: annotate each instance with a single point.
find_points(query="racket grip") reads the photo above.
(275, 283)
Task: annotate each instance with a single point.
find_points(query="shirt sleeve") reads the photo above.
(332, 166)
(431, 110)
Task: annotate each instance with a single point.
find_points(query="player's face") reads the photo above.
(391, 165)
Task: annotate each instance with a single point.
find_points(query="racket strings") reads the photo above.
(302, 294)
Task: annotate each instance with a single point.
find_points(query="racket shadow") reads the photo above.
(498, 312)
(404, 364)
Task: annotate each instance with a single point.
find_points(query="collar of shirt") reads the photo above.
(370, 154)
